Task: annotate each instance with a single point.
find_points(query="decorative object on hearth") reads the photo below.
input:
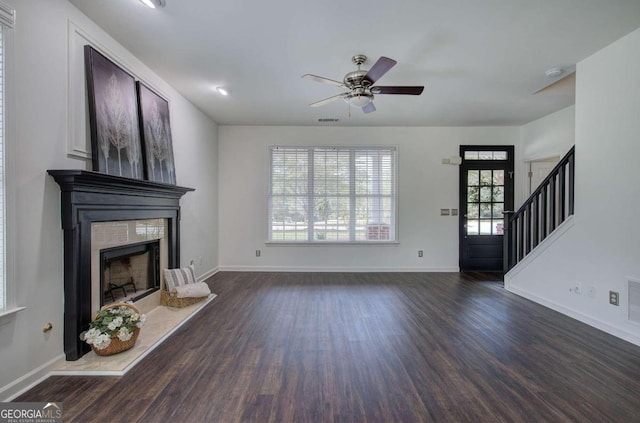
(156, 136)
(181, 288)
(114, 329)
(113, 117)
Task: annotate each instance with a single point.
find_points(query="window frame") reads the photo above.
(7, 20)
(310, 240)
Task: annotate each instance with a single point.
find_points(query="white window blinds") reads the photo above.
(332, 194)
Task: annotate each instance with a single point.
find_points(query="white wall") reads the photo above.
(600, 249)
(425, 186)
(549, 136)
(38, 140)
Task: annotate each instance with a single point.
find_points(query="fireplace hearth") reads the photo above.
(88, 198)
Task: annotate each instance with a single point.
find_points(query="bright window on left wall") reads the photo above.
(7, 16)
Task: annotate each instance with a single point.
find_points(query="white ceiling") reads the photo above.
(480, 61)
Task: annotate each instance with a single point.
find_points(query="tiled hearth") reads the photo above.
(161, 322)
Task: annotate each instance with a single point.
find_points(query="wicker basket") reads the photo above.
(171, 300)
(117, 346)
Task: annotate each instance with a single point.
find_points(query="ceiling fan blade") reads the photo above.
(414, 90)
(328, 100)
(322, 80)
(378, 69)
(369, 108)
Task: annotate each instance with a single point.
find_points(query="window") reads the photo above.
(486, 155)
(332, 194)
(6, 23)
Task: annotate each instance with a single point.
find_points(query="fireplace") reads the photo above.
(129, 273)
(98, 210)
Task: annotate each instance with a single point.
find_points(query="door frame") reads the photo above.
(462, 192)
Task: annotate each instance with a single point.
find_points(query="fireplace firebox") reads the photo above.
(129, 273)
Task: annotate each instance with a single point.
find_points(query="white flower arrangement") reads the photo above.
(120, 321)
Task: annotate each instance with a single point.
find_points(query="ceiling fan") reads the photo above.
(359, 84)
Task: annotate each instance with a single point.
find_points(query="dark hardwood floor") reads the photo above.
(366, 347)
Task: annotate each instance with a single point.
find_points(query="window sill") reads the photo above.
(9, 314)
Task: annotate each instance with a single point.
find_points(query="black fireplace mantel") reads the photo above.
(88, 197)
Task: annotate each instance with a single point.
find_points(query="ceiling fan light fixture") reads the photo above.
(359, 99)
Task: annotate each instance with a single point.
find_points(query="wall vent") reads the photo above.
(328, 120)
(634, 301)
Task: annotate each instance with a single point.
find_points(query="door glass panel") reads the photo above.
(485, 200)
(498, 177)
(498, 193)
(485, 194)
(472, 227)
(473, 177)
(485, 227)
(472, 210)
(485, 177)
(472, 194)
(498, 208)
(486, 155)
(498, 227)
(485, 209)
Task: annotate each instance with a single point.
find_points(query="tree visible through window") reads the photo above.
(332, 194)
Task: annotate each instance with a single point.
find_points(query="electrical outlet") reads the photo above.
(257, 253)
(420, 253)
(614, 298)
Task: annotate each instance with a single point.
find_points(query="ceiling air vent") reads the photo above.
(328, 120)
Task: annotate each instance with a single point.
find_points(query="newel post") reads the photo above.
(507, 251)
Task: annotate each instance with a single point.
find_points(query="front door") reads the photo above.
(486, 190)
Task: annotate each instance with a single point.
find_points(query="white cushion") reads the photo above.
(174, 278)
(193, 290)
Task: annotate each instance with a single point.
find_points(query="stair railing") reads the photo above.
(547, 207)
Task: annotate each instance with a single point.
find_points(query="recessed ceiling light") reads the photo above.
(153, 3)
(223, 91)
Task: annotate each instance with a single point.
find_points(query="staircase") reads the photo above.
(547, 207)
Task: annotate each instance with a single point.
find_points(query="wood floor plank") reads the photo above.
(366, 347)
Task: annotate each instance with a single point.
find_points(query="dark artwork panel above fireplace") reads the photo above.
(130, 272)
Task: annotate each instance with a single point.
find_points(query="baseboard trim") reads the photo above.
(336, 269)
(598, 324)
(28, 381)
(208, 274)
